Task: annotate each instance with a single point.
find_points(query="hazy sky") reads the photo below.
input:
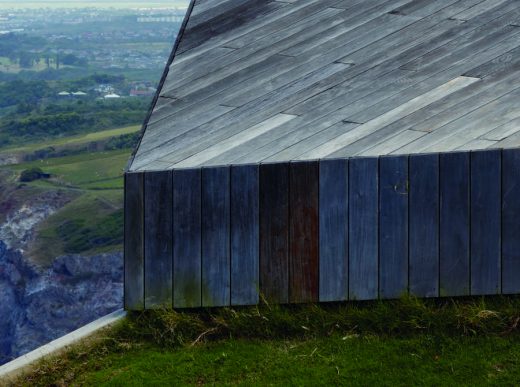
(96, 3)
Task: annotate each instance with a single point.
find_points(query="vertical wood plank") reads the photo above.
(485, 222)
(454, 224)
(333, 230)
(424, 225)
(511, 221)
(245, 238)
(363, 228)
(274, 232)
(215, 236)
(303, 231)
(186, 238)
(393, 223)
(158, 239)
(134, 246)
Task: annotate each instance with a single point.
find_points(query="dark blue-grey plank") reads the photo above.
(134, 247)
(454, 224)
(424, 225)
(333, 211)
(393, 223)
(274, 232)
(158, 239)
(363, 228)
(215, 236)
(186, 238)
(511, 221)
(485, 222)
(245, 237)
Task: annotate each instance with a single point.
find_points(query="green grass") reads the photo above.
(86, 170)
(88, 225)
(92, 222)
(74, 141)
(7, 66)
(359, 361)
(468, 342)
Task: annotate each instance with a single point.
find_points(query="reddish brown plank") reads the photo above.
(303, 232)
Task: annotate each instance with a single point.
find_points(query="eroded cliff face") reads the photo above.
(39, 305)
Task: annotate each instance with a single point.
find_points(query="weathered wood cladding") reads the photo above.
(158, 243)
(134, 235)
(262, 81)
(274, 232)
(330, 230)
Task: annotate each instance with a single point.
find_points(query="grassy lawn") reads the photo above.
(77, 140)
(355, 361)
(409, 342)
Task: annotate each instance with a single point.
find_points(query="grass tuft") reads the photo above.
(404, 317)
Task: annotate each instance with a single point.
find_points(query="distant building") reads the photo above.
(159, 19)
(79, 94)
(109, 89)
(112, 96)
(64, 94)
(142, 92)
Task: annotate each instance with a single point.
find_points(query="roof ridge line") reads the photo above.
(176, 45)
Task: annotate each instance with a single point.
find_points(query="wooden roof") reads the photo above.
(253, 81)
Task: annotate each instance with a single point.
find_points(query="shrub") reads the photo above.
(32, 174)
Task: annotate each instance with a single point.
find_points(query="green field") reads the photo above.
(83, 171)
(7, 66)
(90, 224)
(92, 221)
(74, 141)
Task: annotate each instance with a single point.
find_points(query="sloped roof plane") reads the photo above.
(253, 81)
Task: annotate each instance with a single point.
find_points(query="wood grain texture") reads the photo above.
(257, 81)
(215, 236)
(485, 222)
(134, 241)
(393, 226)
(242, 62)
(511, 221)
(454, 224)
(303, 231)
(187, 238)
(363, 228)
(219, 20)
(158, 289)
(424, 225)
(274, 232)
(245, 235)
(333, 230)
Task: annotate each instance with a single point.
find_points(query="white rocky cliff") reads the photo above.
(38, 304)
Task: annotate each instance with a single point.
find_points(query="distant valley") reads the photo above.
(75, 87)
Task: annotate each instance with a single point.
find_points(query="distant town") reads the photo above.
(66, 71)
(89, 39)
